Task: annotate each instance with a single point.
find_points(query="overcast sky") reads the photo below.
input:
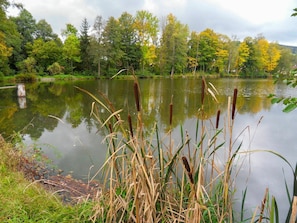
(240, 18)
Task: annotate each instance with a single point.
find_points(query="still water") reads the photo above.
(56, 118)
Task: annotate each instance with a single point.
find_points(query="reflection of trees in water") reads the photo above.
(63, 100)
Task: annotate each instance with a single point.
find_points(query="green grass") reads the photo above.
(24, 201)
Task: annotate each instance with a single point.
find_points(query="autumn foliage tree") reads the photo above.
(141, 42)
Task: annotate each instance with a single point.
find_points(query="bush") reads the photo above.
(55, 69)
(28, 77)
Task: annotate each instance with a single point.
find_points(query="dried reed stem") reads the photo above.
(263, 206)
(294, 210)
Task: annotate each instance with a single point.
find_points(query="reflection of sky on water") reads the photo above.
(276, 133)
(74, 150)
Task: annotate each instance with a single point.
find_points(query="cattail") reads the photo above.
(110, 128)
(202, 91)
(234, 102)
(171, 111)
(187, 167)
(130, 125)
(136, 94)
(218, 119)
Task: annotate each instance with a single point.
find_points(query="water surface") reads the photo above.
(56, 118)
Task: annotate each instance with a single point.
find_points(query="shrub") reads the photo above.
(55, 69)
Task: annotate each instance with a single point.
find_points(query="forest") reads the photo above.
(141, 43)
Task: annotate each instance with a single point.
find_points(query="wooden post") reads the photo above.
(21, 91)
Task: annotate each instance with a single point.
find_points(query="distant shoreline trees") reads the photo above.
(141, 42)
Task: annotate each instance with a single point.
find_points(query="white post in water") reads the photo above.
(21, 91)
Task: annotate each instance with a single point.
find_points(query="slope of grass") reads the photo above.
(24, 201)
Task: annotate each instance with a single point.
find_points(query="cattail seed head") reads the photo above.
(110, 128)
(234, 102)
(130, 125)
(202, 91)
(187, 167)
(171, 113)
(136, 94)
(218, 119)
(186, 164)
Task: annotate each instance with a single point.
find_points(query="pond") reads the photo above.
(56, 118)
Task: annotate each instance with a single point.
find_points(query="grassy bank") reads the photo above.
(26, 201)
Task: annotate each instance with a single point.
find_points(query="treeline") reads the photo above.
(141, 43)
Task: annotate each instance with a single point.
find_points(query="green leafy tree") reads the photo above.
(193, 48)
(26, 26)
(45, 53)
(112, 45)
(146, 26)
(131, 51)
(96, 49)
(252, 64)
(70, 30)
(84, 45)
(173, 49)
(71, 47)
(208, 45)
(286, 61)
(233, 48)
(44, 31)
(5, 49)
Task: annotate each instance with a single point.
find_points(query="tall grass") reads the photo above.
(150, 178)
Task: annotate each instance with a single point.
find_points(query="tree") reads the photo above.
(96, 49)
(71, 47)
(286, 61)
(193, 47)
(26, 26)
(131, 51)
(84, 45)
(45, 53)
(112, 44)
(273, 56)
(146, 26)
(70, 30)
(222, 53)
(208, 45)
(173, 49)
(44, 31)
(242, 57)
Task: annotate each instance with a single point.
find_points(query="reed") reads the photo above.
(149, 178)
